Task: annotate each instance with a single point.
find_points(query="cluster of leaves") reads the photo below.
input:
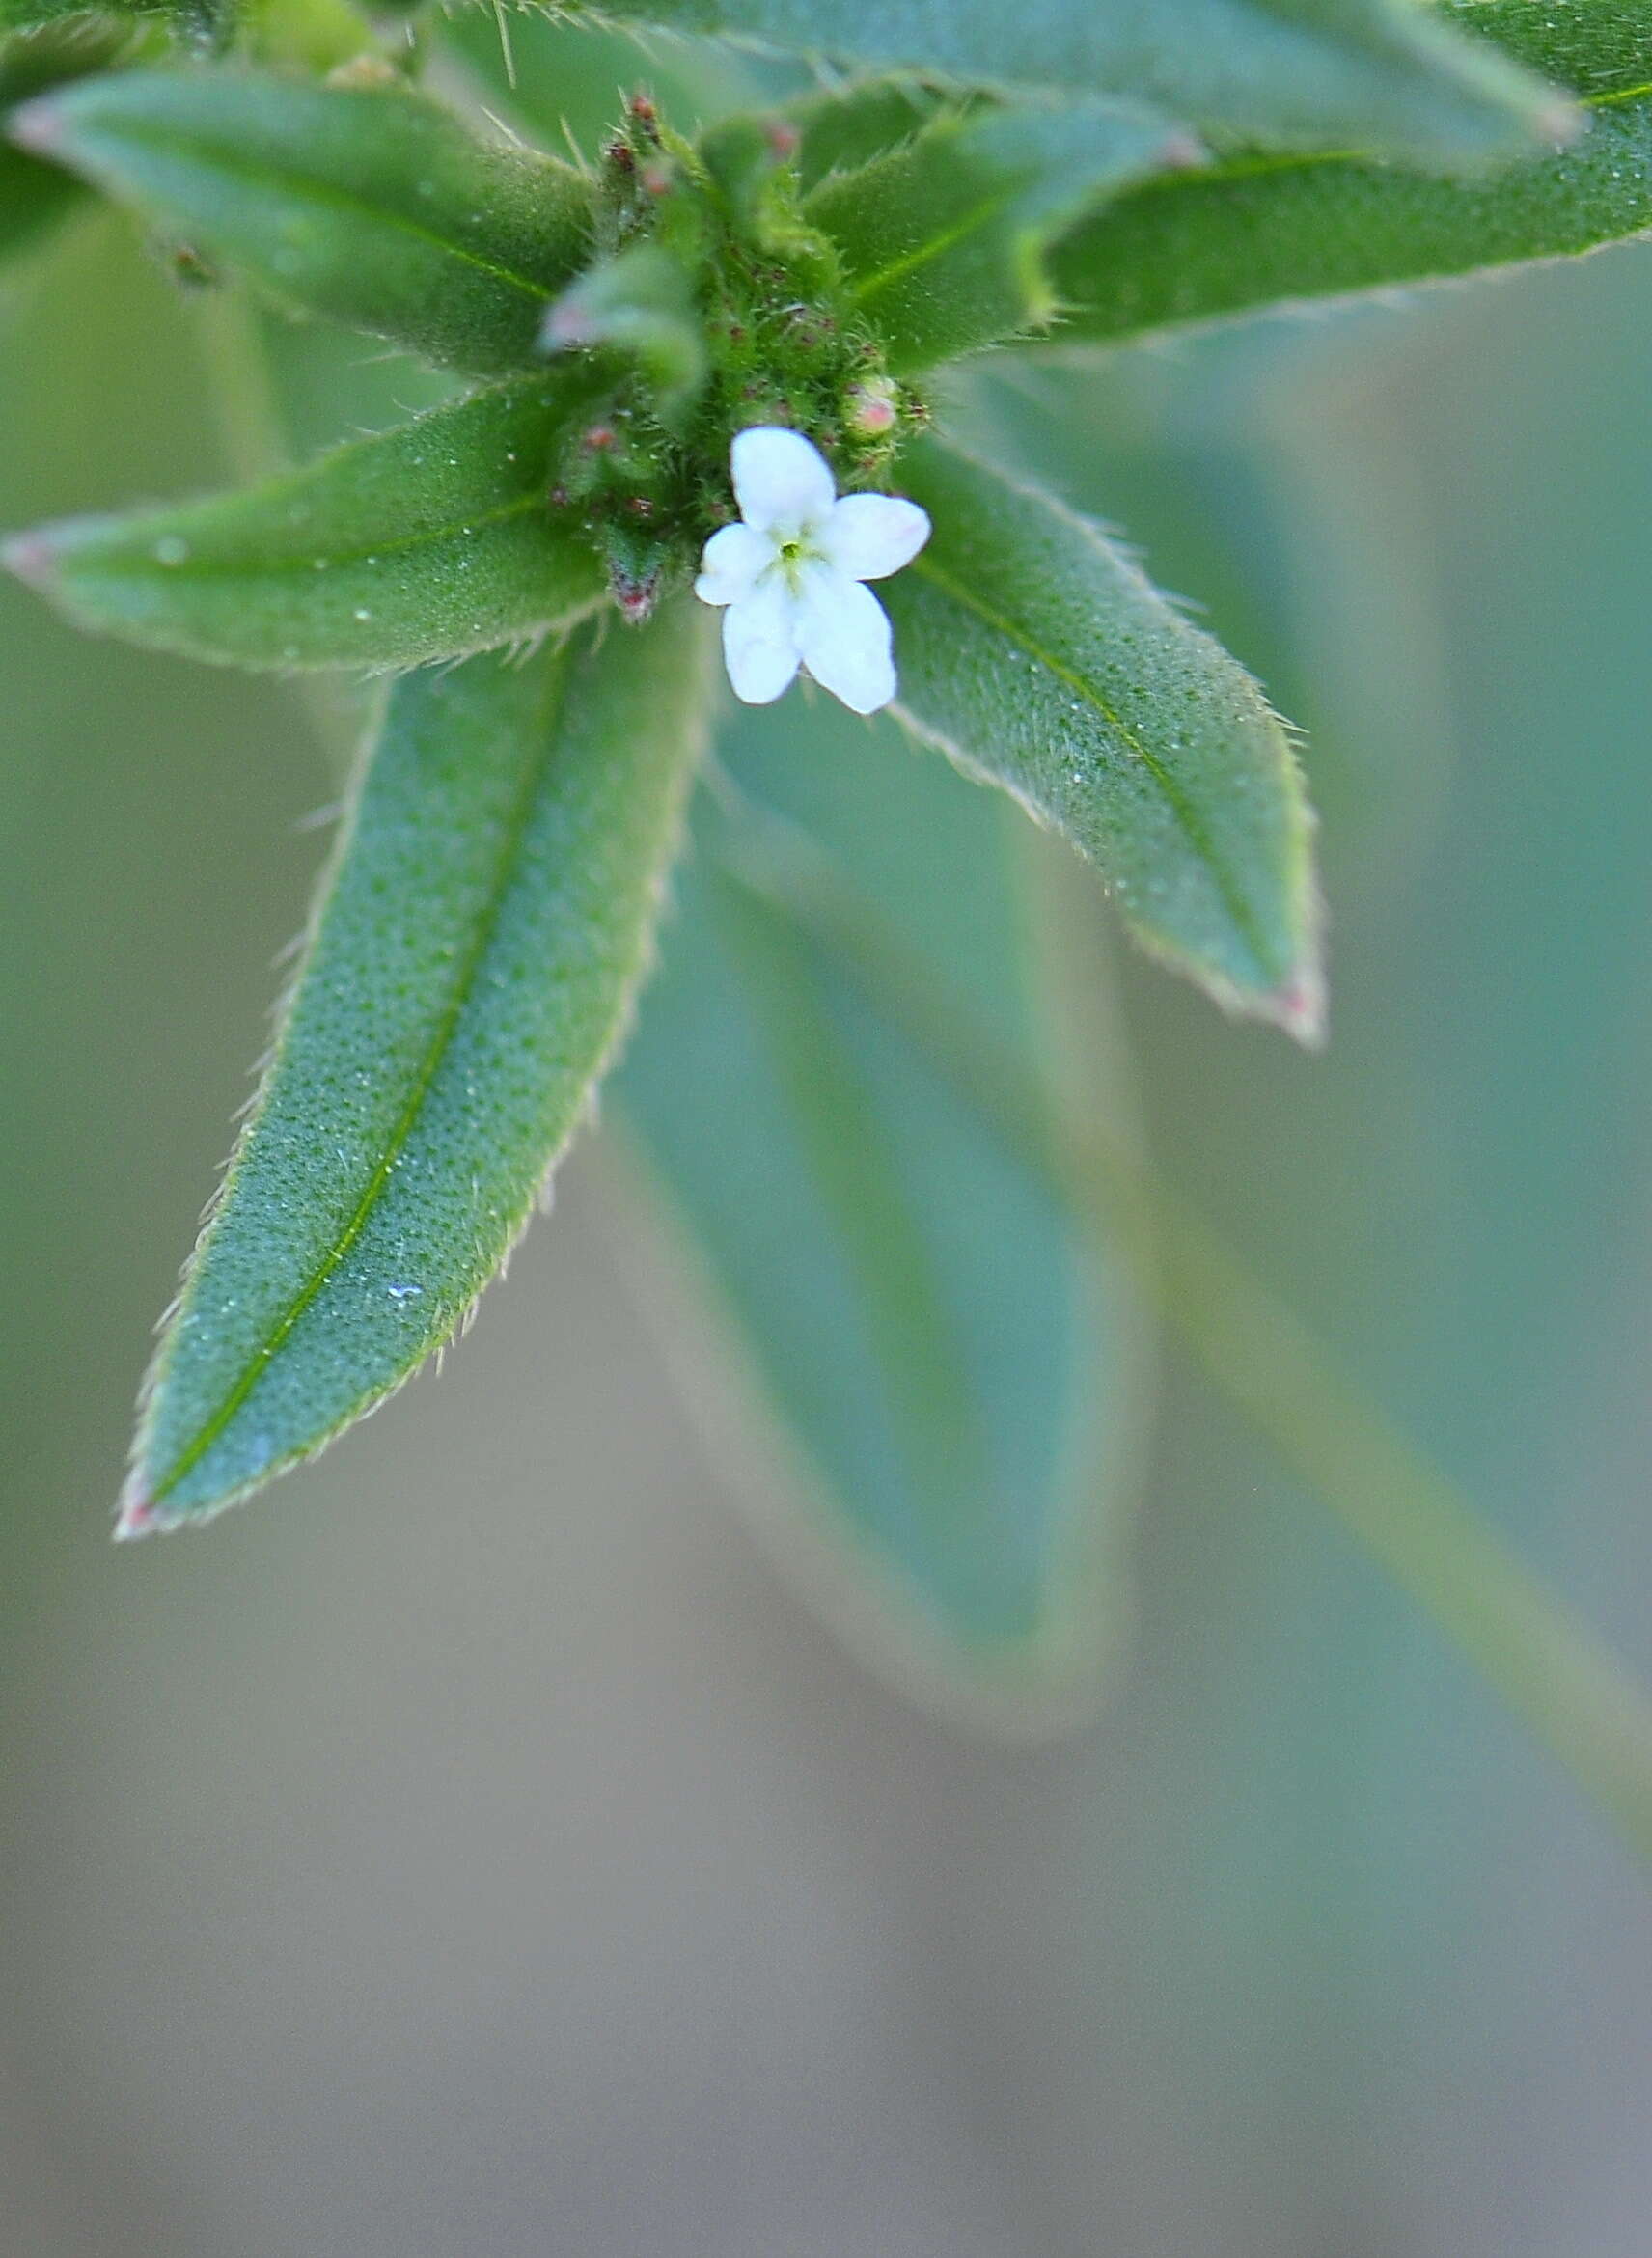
(1069, 176)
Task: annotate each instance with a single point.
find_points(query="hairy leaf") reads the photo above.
(952, 1377)
(32, 198)
(372, 206)
(641, 302)
(1261, 230)
(868, 118)
(560, 77)
(430, 541)
(942, 240)
(472, 971)
(35, 196)
(1040, 659)
(26, 14)
(1379, 75)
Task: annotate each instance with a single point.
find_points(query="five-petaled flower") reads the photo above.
(791, 574)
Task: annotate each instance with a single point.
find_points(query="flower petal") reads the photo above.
(870, 535)
(759, 643)
(845, 639)
(731, 561)
(781, 481)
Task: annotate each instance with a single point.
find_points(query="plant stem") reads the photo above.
(1548, 1665)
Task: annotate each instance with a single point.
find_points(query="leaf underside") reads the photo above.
(956, 1386)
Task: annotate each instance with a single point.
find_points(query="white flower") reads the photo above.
(790, 574)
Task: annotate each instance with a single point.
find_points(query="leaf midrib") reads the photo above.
(1263, 165)
(935, 246)
(1183, 809)
(246, 566)
(402, 1130)
(204, 150)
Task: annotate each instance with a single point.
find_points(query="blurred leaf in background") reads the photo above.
(960, 1363)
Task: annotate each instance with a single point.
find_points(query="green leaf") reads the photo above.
(472, 971)
(953, 1379)
(853, 125)
(1379, 75)
(745, 159)
(432, 540)
(641, 302)
(561, 78)
(1039, 658)
(34, 196)
(942, 240)
(371, 207)
(18, 15)
(1259, 230)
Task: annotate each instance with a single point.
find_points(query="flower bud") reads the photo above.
(872, 407)
(636, 565)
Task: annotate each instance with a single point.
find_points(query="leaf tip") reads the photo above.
(1559, 121)
(31, 558)
(1182, 152)
(566, 324)
(1301, 1007)
(37, 127)
(138, 1517)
